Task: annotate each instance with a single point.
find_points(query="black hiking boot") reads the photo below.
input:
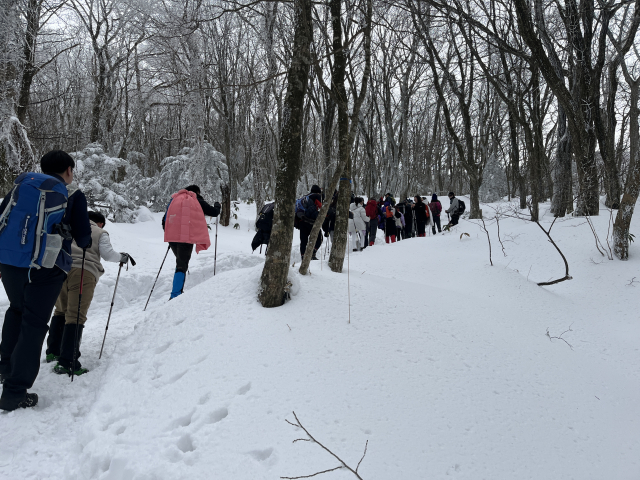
(314, 255)
(54, 339)
(30, 400)
(65, 362)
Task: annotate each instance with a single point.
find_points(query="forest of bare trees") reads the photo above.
(529, 99)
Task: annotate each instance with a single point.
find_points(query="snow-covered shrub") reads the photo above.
(202, 166)
(111, 185)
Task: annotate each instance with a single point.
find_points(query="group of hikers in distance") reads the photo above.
(52, 247)
(397, 220)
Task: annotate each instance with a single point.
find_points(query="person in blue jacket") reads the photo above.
(33, 289)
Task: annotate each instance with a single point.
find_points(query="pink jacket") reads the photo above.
(185, 222)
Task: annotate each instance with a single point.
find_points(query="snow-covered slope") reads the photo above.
(445, 369)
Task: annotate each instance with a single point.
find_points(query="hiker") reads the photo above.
(306, 213)
(389, 215)
(372, 212)
(35, 257)
(184, 225)
(453, 210)
(408, 219)
(329, 223)
(61, 342)
(421, 211)
(400, 222)
(436, 208)
(358, 225)
(264, 225)
(389, 198)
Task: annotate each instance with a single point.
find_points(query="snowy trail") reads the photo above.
(445, 369)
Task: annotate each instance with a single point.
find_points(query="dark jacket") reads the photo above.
(420, 212)
(329, 224)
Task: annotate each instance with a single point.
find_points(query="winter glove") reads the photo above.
(125, 258)
(217, 204)
(326, 234)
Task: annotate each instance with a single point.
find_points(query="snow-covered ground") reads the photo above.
(446, 368)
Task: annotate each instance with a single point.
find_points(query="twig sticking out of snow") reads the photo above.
(311, 439)
(632, 282)
(559, 337)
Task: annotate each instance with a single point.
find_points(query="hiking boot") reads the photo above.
(314, 255)
(52, 358)
(30, 400)
(60, 370)
(69, 346)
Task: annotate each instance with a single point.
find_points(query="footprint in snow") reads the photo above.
(163, 348)
(261, 455)
(244, 389)
(218, 415)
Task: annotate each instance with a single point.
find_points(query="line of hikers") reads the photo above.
(51, 249)
(397, 221)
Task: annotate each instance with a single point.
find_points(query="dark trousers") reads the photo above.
(436, 221)
(408, 230)
(305, 231)
(25, 324)
(373, 229)
(454, 219)
(182, 251)
(420, 226)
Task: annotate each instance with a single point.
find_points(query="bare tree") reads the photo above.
(276, 267)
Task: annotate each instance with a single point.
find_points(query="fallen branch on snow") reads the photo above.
(313, 440)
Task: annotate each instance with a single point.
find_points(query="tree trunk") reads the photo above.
(346, 136)
(276, 268)
(16, 155)
(260, 159)
(562, 201)
(632, 186)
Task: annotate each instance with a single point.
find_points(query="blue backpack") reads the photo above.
(31, 230)
(307, 206)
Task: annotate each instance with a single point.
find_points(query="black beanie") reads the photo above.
(434, 198)
(97, 217)
(315, 189)
(56, 161)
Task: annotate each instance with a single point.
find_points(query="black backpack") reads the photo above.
(265, 219)
(461, 207)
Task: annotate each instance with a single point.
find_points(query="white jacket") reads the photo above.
(360, 218)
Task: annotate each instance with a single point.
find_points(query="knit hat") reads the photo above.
(434, 198)
(451, 194)
(56, 161)
(316, 189)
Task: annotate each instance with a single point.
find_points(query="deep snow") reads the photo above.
(445, 369)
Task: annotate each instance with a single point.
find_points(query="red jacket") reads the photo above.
(372, 209)
(436, 208)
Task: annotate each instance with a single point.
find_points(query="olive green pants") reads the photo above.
(67, 303)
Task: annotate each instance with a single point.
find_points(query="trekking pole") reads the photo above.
(348, 286)
(115, 289)
(75, 344)
(154, 283)
(215, 252)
